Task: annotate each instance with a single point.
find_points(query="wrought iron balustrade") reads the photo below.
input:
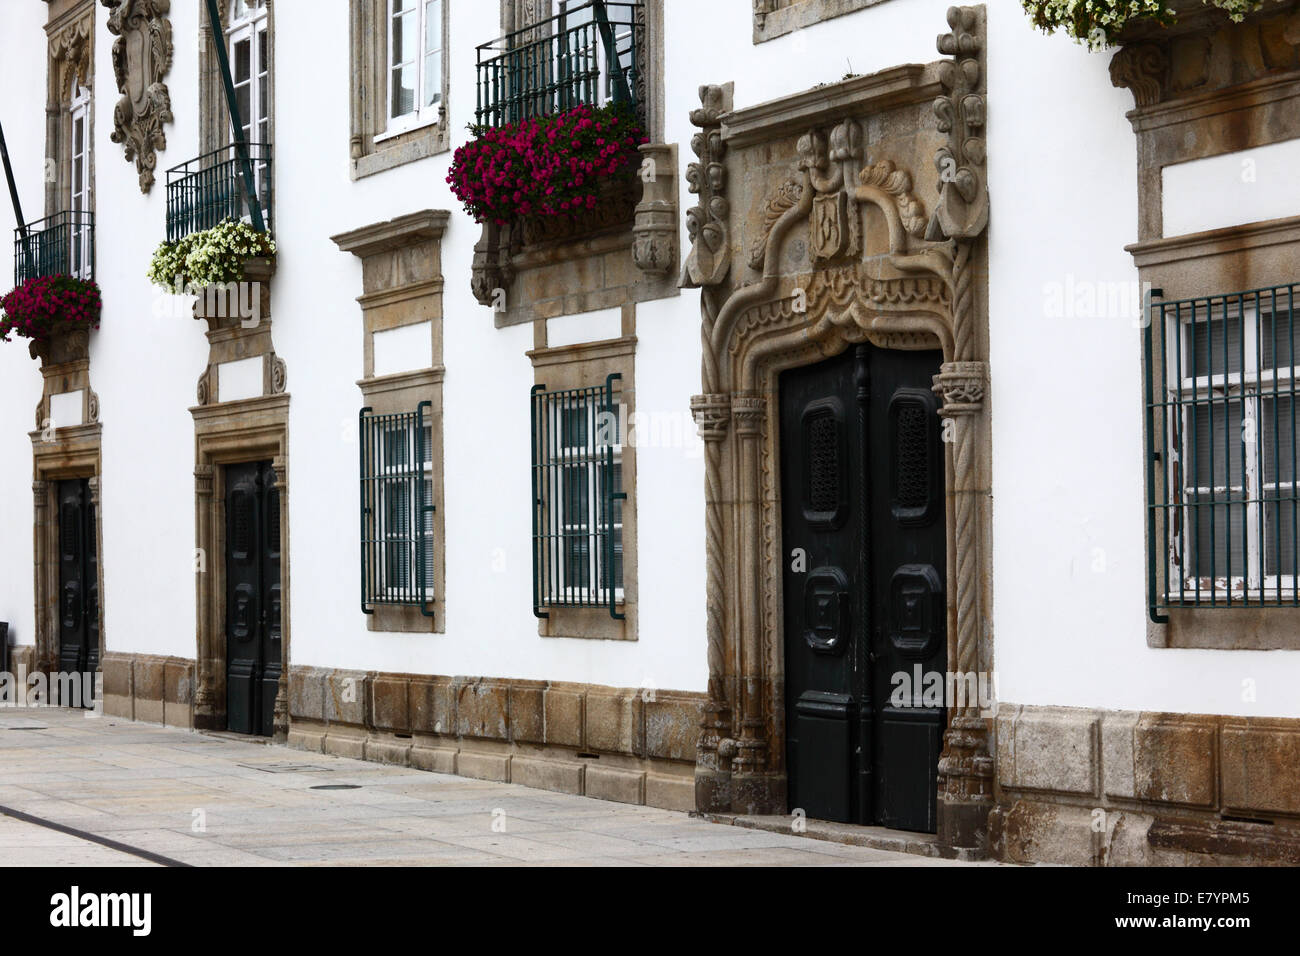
(208, 189)
(588, 53)
(62, 244)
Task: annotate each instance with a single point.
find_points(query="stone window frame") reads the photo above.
(578, 366)
(71, 41)
(776, 18)
(372, 148)
(1184, 111)
(403, 286)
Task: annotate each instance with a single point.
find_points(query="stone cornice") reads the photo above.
(1215, 242)
(886, 89)
(416, 227)
(582, 352)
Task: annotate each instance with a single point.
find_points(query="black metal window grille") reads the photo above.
(577, 480)
(209, 189)
(396, 509)
(587, 53)
(62, 244)
(1221, 431)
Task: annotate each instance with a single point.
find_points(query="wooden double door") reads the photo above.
(78, 601)
(864, 535)
(254, 646)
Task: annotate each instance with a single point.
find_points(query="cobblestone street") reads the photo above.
(156, 795)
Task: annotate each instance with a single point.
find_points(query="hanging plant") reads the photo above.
(48, 305)
(211, 257)
(558, 166)
(1098, 22)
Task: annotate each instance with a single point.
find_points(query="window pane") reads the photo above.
(243, 61)
(432, 25)
(1214, 449)
(432, 79)
(1279, 419)
(1211, 351)
(1278, 343)
(405, 39)
(403, 98)
(242, 101)
(1213, 542)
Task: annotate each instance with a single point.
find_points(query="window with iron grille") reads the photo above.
(1221, 450)
(397, 547)
(577, 480)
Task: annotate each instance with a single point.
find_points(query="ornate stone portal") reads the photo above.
(794, 269)
(142, 55)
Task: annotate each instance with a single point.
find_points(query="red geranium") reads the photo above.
(546, 165)
(48, 304)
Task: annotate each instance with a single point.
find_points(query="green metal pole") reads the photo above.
(241, 147)
(13, 188)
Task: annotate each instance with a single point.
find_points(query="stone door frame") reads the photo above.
(72, 453)
(255, 429)
(928, 292)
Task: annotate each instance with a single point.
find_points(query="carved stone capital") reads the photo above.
(142, 56)
(748, 413)
(712, 414)
(961, 385)
(203, 480)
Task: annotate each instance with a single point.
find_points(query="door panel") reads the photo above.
(78, 608)
(253, 646)
(865, 558)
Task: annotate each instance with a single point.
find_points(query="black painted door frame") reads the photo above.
(253, 606)
(864, 582)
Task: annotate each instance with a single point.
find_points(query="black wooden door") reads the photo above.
(864, 534)
(78, 591)
(253, 638)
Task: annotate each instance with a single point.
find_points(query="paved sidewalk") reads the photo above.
(211, 800)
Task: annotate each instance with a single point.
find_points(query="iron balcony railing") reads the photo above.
(577, 498)
(396, 509)
(62, 244)
(1221, 435)
(588, 53)
(209, 189)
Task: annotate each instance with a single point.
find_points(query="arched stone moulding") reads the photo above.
(796, 268)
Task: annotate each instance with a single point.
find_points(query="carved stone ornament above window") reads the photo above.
(142, 56)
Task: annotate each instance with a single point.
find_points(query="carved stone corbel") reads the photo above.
(142, 56)
(1140, 69)
(654, 232)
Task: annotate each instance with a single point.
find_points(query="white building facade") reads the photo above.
(869, 324)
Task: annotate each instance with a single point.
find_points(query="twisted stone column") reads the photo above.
(966, 769)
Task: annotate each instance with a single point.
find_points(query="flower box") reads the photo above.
(56, 313)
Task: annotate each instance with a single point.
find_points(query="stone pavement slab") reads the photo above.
(219, 800)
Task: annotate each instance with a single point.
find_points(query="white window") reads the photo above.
(248, 43)
(80, 253)
(1230, 388)
(415, 52)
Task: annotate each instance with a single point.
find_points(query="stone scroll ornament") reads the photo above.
(142, 56)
